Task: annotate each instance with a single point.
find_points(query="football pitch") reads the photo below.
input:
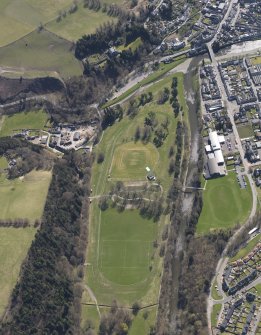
(224, 204)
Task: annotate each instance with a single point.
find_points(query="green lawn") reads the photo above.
(42, 51)
(224, 204)
(23, 120)
(245, 131)
(84, 21)
(244, 251)
(14, 244)
(214, 293)
(20, 17)
(133, 45)
(140, 324)
(3, 163)
(130, 160)
(24, 197)
(214, 315)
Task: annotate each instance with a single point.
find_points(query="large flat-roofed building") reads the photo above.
(219, 157)
(214, 141)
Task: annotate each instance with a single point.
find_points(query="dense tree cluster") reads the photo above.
(44, 300)
(111, 114)
(174, 96)
(25, 156)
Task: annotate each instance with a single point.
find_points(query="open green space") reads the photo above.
(14, 244)
(245, 131)
(133, 45)
(256, 60)
(131, 159)
(84, 21)
(224, 204)
(41, 51)
(23, 120)
(3, 163)
(122, 262)
(142, 322)
(214, 292)
(244, 251)
(24, 197)
(20, 17)
(125, 246)
(214, 315)
(156, 75)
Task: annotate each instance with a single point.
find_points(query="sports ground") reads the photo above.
(122, 261)
(224, 204)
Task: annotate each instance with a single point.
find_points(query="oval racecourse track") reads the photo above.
(131, 159)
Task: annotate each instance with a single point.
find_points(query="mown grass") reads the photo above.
(224, 204)
(214, 315)
(14, 244)
(245, 131)
(84, 21)
(24, 197)
(214, 293)
(41, 51)
(244, 251)
(23, 120)
(3, 163)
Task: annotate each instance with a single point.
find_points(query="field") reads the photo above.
(23, 120)
(83, 21)
(42, 51)
(245, 131)
(24, 197)
(14, 244)
(20, 17)
(224, 204)
(256, 60)
(130, 160)
(122, 262)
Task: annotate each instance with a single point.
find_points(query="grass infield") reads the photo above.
(131, 159)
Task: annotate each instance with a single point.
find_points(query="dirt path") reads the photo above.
(93, 298)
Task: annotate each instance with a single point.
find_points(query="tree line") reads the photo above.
(46, 299)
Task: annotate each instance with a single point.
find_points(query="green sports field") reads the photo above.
(42, 51)
(24, 197)
(23, 120)
(131, 159)
(14, 244)
(125, 246)
(224, 204)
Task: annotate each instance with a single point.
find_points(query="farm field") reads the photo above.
(41, 51)
(14, 244)
(84, 21)
(24, 197)
(20, 17)
(224, 204)
(23, 120)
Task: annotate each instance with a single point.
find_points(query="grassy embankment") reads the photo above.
(120, 248)
(158, 74)
(224, 204)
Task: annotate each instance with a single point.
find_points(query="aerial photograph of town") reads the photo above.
(130, 167)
